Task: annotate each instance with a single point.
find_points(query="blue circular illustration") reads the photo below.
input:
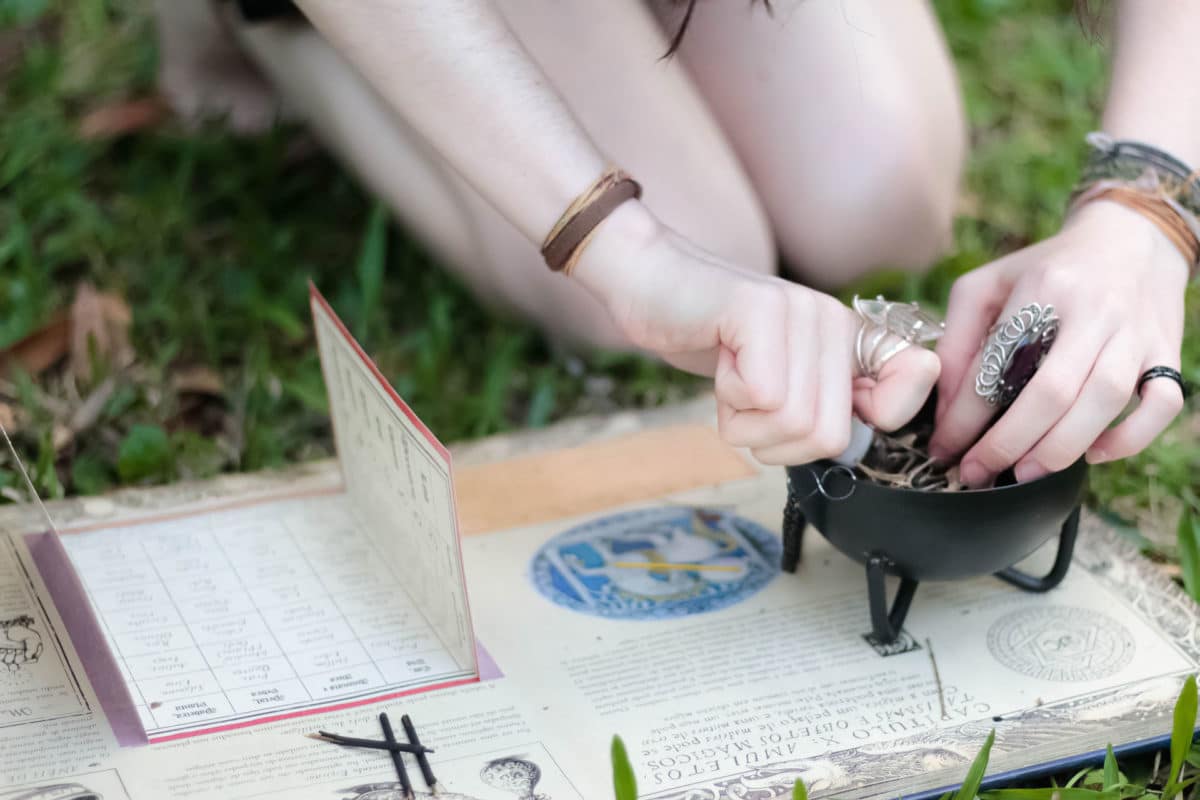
(657, 563)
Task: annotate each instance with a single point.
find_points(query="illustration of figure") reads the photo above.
(511, 774)
(514, 775)
(20, 644)
(700, 542)
(59, 791)
(657, 562)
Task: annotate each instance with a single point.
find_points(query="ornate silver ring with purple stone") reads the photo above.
(1014, 352)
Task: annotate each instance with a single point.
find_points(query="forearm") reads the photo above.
(457, 74)
(1154, 95)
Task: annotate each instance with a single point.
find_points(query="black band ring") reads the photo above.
(1162, 372)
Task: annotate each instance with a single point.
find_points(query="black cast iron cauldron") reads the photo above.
(930, 536)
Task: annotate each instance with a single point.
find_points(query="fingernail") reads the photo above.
(973, 474)
(1097, 456)
(1029, 471)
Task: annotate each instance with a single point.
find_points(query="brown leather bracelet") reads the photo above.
(566, 240)
(1172, 220)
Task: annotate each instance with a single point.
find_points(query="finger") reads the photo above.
(834, 383)
(1041, 404)
(748, 374)
(900, 390)
(967, 414)
(976, 299)
(795, 420)
(830, 431)
(1161, 401)
(1104, 396)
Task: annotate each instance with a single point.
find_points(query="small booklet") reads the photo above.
(189, 641)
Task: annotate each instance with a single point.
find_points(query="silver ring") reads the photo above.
(1013, 353)
(899, 324)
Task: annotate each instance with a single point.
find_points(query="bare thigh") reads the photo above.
(646, 114)
(847, 115)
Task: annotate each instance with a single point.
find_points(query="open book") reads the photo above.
(186, 642)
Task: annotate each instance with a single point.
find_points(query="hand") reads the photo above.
(781, 355)
(1117, 284)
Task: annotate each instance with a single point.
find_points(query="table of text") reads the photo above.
(238, 614)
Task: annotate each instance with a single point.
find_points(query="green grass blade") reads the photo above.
(970, 786)
(624, 782)
(371, 260)
(1188, 538)
(1182, 731)
(799, 792)
(1077, 777)
(1112, 776)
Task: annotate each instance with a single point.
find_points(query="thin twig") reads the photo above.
(937, 678)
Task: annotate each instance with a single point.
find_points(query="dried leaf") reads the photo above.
(41, 349)
(122, 118)
(198, 380)
(99, 323)
(8, 418)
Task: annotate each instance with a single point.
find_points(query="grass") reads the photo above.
(210, 239)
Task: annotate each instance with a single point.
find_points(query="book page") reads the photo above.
(233, 616)
(399, 481)
(671, 625)
(488, 745)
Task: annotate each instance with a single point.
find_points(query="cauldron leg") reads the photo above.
(794, 523)
(886, 625)
(1062, 562)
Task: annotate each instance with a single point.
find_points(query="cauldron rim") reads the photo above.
(822, 465)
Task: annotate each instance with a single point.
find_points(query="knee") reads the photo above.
(888, 205)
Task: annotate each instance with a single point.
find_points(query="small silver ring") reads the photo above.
(1014, 351)
(819, 482)
(837, 469)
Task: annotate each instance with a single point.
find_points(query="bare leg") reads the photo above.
(646, 114)
(847, 116)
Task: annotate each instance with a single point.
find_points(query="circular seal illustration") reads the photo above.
(657, 563)
(1061, 643)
